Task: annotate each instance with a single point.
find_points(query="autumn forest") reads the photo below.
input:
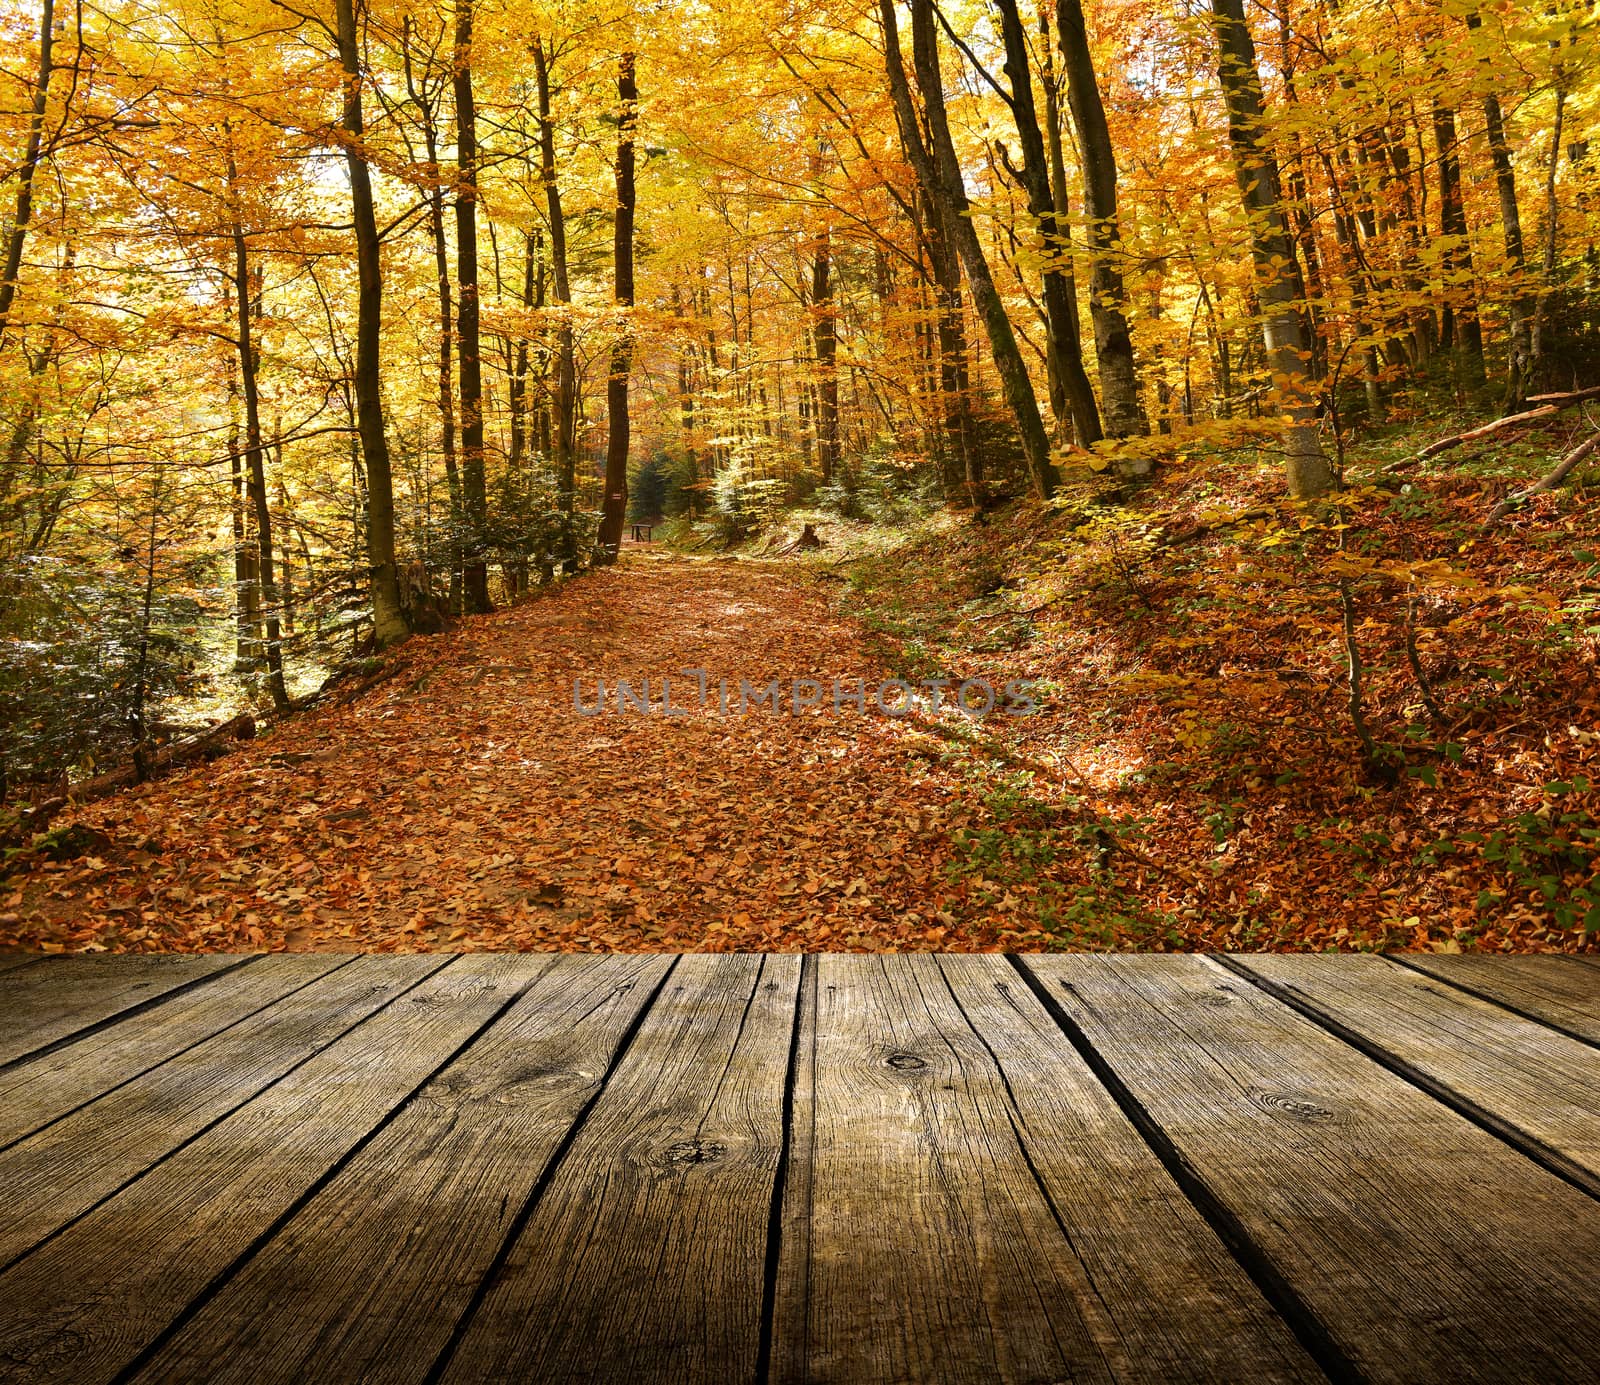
(371, 372)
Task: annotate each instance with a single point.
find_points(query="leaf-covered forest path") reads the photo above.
(465, 803)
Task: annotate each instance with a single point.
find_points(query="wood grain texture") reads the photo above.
(66, 1168)
(42, 1004)
(979, 1209)
(1562, 991)
(932, 1253)
(1430, 1250)
(10, 961)
(371, 1276)
(42, 1090)
(643, 1260)
(1516, 1070)
(84, 1306)
(572, 1168)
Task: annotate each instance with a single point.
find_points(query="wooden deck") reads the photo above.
(835, 1169)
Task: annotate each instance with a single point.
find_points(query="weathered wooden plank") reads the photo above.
(1180, 1305)
(9, 961)
(1427, 1248)
(1547, 988)
(644, 1258)
(84, 1306)
(369, 1279)
(42, 1004)
(1513, 1072)
(980, 1210)
(928, 1251)
(34, 1093)
(789, 1261)
(66, 1168)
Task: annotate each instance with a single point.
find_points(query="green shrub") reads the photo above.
(82, 669)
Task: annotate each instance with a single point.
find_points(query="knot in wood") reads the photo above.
(1297, 1106)
(906, 1062)
(695, 1152)
(46, 1347)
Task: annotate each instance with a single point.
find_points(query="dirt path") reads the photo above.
(465, 803)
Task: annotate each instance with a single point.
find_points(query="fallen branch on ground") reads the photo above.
(21, 821)
(1549, 406)
(1546, 483)
(1565, 397)
(204, 746)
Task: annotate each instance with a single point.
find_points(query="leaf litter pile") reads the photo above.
(464, 803)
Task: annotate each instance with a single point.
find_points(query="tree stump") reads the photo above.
(426, 612)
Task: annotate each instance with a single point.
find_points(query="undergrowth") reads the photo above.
(1368, 724)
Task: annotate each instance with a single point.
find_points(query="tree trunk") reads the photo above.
(1520, 314)
(1463, 333)
(1119, 380)
(285, 567)
(1061, 201)
(1345, 236)
(954, 382)
(614, 507)
(686, 396)
(447, 384)
(714, 375)
(446, 372)
(1257, 172)
(1520, 309)
(137, 728)
(469, 364)
(824, 335)
(1065, 353)
(566, 369)
(23, 213)
(1312, 288)
(247, 657)
(1421, 337)
(939, 172)
(255, 461)
(388, 617)
(1552, 228)
(517, 391)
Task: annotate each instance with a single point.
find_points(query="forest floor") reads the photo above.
(1206, 769)
(1202, 770)
(465, 802)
